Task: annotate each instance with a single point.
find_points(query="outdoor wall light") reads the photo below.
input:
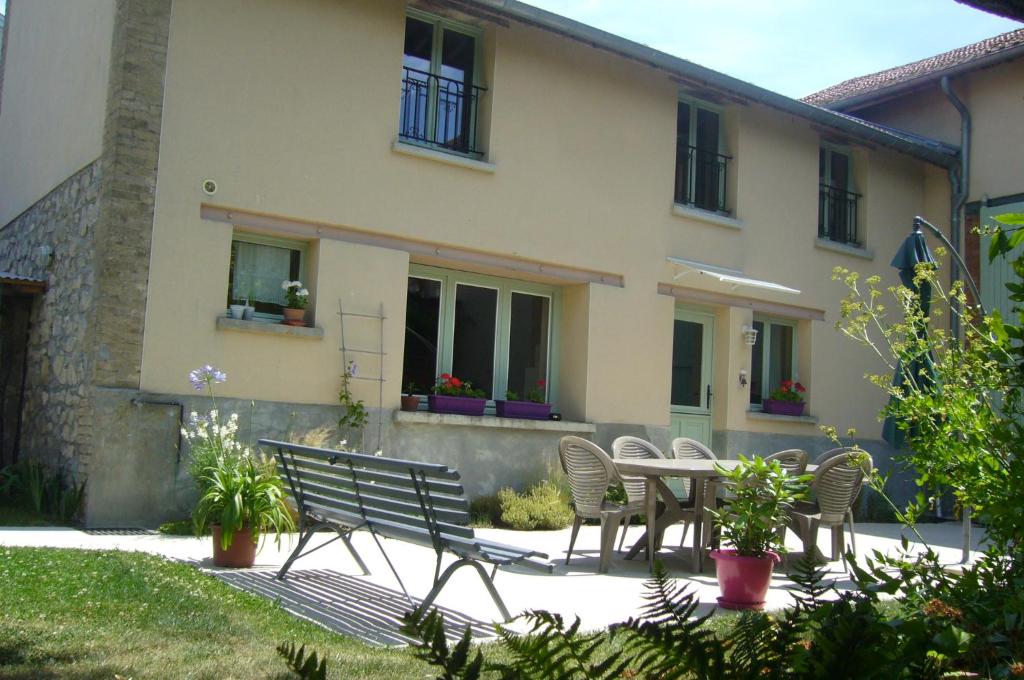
(743, 377)
(750, 335)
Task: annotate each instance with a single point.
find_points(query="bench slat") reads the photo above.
(399, 480)
(381, 462)
(371, 501)
(374, 514)
(496, 553)
(439, 500)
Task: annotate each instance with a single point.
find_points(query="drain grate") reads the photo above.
(120, 532)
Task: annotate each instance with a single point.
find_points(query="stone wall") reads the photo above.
(58, 421)
(131, 147)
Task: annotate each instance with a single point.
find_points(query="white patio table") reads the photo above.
(701, 472)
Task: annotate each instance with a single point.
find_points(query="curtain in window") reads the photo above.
(259, 271)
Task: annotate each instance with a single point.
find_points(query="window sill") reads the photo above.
(269, 328)
(774, 417)
(427, 418)
(701, 215)
(442, 157)
(836, 247)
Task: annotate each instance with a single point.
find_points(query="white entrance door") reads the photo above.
(692, 341)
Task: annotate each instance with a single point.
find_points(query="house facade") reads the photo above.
(476, 188)
(971, 96)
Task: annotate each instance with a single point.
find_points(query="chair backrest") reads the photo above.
(634, 448)
(684, 447)
(836, 484)
(793, 461)
(832, 453)
(590, 471)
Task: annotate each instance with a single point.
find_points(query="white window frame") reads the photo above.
(450, 279)
(766, 341)
(276, 242)
(719, 111)
(442, 24)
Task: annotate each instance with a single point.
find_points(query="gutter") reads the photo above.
(960, 186)
(700, 75)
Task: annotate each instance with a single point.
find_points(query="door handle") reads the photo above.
(707, 397)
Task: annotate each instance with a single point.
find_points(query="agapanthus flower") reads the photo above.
(207, 375)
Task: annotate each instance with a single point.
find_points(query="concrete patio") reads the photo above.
(328, 588)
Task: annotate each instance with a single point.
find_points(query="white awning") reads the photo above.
(727, 276)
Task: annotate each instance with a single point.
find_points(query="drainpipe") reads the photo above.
(961, 187)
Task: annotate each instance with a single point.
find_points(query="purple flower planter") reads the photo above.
(521, 409)
(465, 406)
(783, 408)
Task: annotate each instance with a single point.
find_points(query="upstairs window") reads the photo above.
(837, 202)
(496, 333)
(773, 357)
(258, 266)
(440, 97)
(700, 165)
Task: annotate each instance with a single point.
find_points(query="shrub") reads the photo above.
(485, 511)
(543, 507)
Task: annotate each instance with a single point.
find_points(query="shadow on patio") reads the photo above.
(350, 605)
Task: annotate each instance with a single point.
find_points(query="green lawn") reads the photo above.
(96, 614)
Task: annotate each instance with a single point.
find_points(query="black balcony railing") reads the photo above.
(700, 178)
(439, 111)
(837, 214)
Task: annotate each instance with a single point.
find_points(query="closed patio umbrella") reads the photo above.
(913, 251)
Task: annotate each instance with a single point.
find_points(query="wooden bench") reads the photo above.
(421, 503)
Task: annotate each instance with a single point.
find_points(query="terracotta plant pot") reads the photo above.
(743, 580)
(783, 408)
(294, 317)
(411, 403)
(529, 410)
(239, 555)
(465, 406)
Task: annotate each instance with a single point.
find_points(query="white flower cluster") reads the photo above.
(209, 431)
(286, 284)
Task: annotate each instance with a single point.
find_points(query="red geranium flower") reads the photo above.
(446, 376)
(542, 383)
(456, 382)
(800, 388)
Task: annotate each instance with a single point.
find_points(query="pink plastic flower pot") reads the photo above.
(465, 406)
(743, 580)
(521, 409)
(783, 408)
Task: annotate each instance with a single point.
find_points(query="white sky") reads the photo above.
(794, 47)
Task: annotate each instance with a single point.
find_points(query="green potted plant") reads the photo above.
(787, 400)
(296, 298)
(762, 494)
(244, 498)
(535, 407)
(240, 494)
(410, 401)
(453, 395)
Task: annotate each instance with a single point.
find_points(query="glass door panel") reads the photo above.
(473, 338)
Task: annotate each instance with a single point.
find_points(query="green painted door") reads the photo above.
(692, 342)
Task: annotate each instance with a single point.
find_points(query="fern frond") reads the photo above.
(432, 646)
(550, 650)
(669, 640)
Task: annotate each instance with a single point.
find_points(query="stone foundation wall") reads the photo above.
(58, 409)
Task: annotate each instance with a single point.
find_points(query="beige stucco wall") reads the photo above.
(995, 98)
(300, 123)
(54, 96)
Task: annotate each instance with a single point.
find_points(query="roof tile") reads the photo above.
(918, 69)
